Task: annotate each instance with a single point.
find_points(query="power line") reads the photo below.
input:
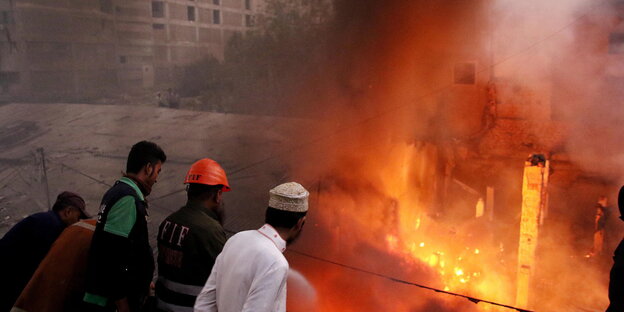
(400, 281)
(397, 280)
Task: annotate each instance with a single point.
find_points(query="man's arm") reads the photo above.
(266, 289)
(207, 299)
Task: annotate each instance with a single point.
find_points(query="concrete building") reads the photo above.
(73, 49)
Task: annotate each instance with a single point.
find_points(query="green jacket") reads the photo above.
(189, 241)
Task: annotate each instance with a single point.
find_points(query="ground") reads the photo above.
(85, 147)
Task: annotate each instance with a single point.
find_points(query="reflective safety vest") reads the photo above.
(189, 241)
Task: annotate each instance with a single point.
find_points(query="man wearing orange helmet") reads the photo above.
(190, 239)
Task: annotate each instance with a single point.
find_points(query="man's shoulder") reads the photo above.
(194, 220)
(258, 245)
(47, 217)
(118, 191)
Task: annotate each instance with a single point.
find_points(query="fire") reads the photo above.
(396, 223)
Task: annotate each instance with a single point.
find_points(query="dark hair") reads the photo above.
(196, 190)
(144, 153)
(67, 199)
(282, 219)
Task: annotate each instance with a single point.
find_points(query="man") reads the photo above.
(25, 245)
(190, 239)
(250, 274)
(120, 264)
(616, 282)
(600, 222)
(60, 276)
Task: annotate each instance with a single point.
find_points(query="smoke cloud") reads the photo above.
(392, 117)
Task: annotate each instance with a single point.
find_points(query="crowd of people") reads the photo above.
(62, 260)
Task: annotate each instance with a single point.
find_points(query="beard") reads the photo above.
(220, 212)
(293, 238)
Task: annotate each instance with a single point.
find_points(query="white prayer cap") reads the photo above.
(289, 196)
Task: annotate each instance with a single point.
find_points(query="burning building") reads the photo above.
(439, 106)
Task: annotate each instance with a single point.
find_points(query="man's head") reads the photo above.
(206, 182)
(288, 206)
(70, 207)
(144, 162)
(603, 201)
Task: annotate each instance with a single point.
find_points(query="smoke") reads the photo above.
(393, 121)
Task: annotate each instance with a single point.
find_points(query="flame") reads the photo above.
(397, 224)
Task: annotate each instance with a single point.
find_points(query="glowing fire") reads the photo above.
(463, 262)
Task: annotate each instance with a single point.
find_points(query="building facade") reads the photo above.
(73, 49)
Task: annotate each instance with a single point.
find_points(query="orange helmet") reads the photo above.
(209, 172)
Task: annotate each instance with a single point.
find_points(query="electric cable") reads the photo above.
(401, 281)
(397, 280)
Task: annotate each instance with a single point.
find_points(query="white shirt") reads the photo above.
(248, 276)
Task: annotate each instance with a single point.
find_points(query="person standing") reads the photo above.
(190, 239)
(616, 276)
(25, 244)
(120, 263)
(250, 273)
(602, 216)
(60, 276)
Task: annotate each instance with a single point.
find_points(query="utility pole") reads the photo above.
(45, 175)
(534, 202)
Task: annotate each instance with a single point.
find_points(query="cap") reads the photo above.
(67, 198)
(290, 196)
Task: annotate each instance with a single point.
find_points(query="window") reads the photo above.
(216, 2)
(216, 17)
(106, 6)
(249, 20)
(158, 9)
(122, 59)
(7, 79)
(247, 4)
(158, 26)
(6, 18)
(616, 43)
(465, 73)
(190, 13)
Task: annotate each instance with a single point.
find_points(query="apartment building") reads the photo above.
(73, 49)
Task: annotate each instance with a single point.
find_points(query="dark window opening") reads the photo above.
(190, 13)
(158, 9)
(217, 2)
(616, 43)
(247, 4)
(216, 17)
(6, 18)
(106, 6)
(249, 20)
(122, 59)
(7, 79)
(465, 73)
(158, 26)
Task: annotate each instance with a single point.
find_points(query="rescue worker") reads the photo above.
(250, 273)
(190, 239)
(60, 276)
(24, 246)
(616, 278)
(120, 264)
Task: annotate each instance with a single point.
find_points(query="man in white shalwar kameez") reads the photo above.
(250, 273)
